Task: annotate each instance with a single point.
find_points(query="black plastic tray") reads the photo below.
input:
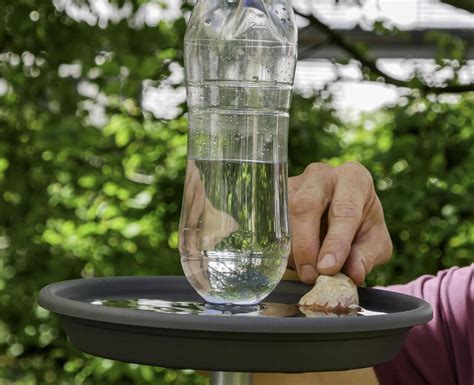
(229, 343)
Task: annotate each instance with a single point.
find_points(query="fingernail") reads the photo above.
(308, 273)
(327, 261)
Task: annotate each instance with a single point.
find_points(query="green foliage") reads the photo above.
(85, 198)
(79, 199)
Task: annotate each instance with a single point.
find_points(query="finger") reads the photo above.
(307, 206)
(373, 249)
(294, 183)
(190, 242)
(352, 191)
(372, 217)
(198, 193)
(194, 202)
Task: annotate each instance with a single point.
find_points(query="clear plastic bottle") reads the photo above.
(240, 58)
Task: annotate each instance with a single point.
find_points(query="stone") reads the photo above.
(332, 295)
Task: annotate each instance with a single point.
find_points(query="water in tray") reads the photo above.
(198, 308)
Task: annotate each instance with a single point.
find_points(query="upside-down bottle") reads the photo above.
(240, 59)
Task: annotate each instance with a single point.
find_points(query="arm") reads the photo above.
(441, 351)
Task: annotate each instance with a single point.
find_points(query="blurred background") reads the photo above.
(93, 145)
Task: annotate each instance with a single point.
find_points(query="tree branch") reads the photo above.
(371, 64)
(467, 5)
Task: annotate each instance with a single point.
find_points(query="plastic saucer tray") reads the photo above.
(228, 342)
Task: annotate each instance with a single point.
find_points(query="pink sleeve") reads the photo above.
(440, 352)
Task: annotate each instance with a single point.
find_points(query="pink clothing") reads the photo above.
(440, 352)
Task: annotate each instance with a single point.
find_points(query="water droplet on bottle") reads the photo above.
(207, 22)
(255, 78)
(276, 11)
(284, 8)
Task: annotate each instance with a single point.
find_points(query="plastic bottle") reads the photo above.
(240, 58)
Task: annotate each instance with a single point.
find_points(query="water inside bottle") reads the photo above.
(234, 235)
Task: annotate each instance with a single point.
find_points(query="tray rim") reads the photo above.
(50, 298)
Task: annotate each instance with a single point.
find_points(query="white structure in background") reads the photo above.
(351, 96)
(404, 14)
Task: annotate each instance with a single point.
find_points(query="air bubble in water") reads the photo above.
(207, 22)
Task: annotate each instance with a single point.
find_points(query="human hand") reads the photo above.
(337, 222)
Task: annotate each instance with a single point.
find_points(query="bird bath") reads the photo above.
(161, 321)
